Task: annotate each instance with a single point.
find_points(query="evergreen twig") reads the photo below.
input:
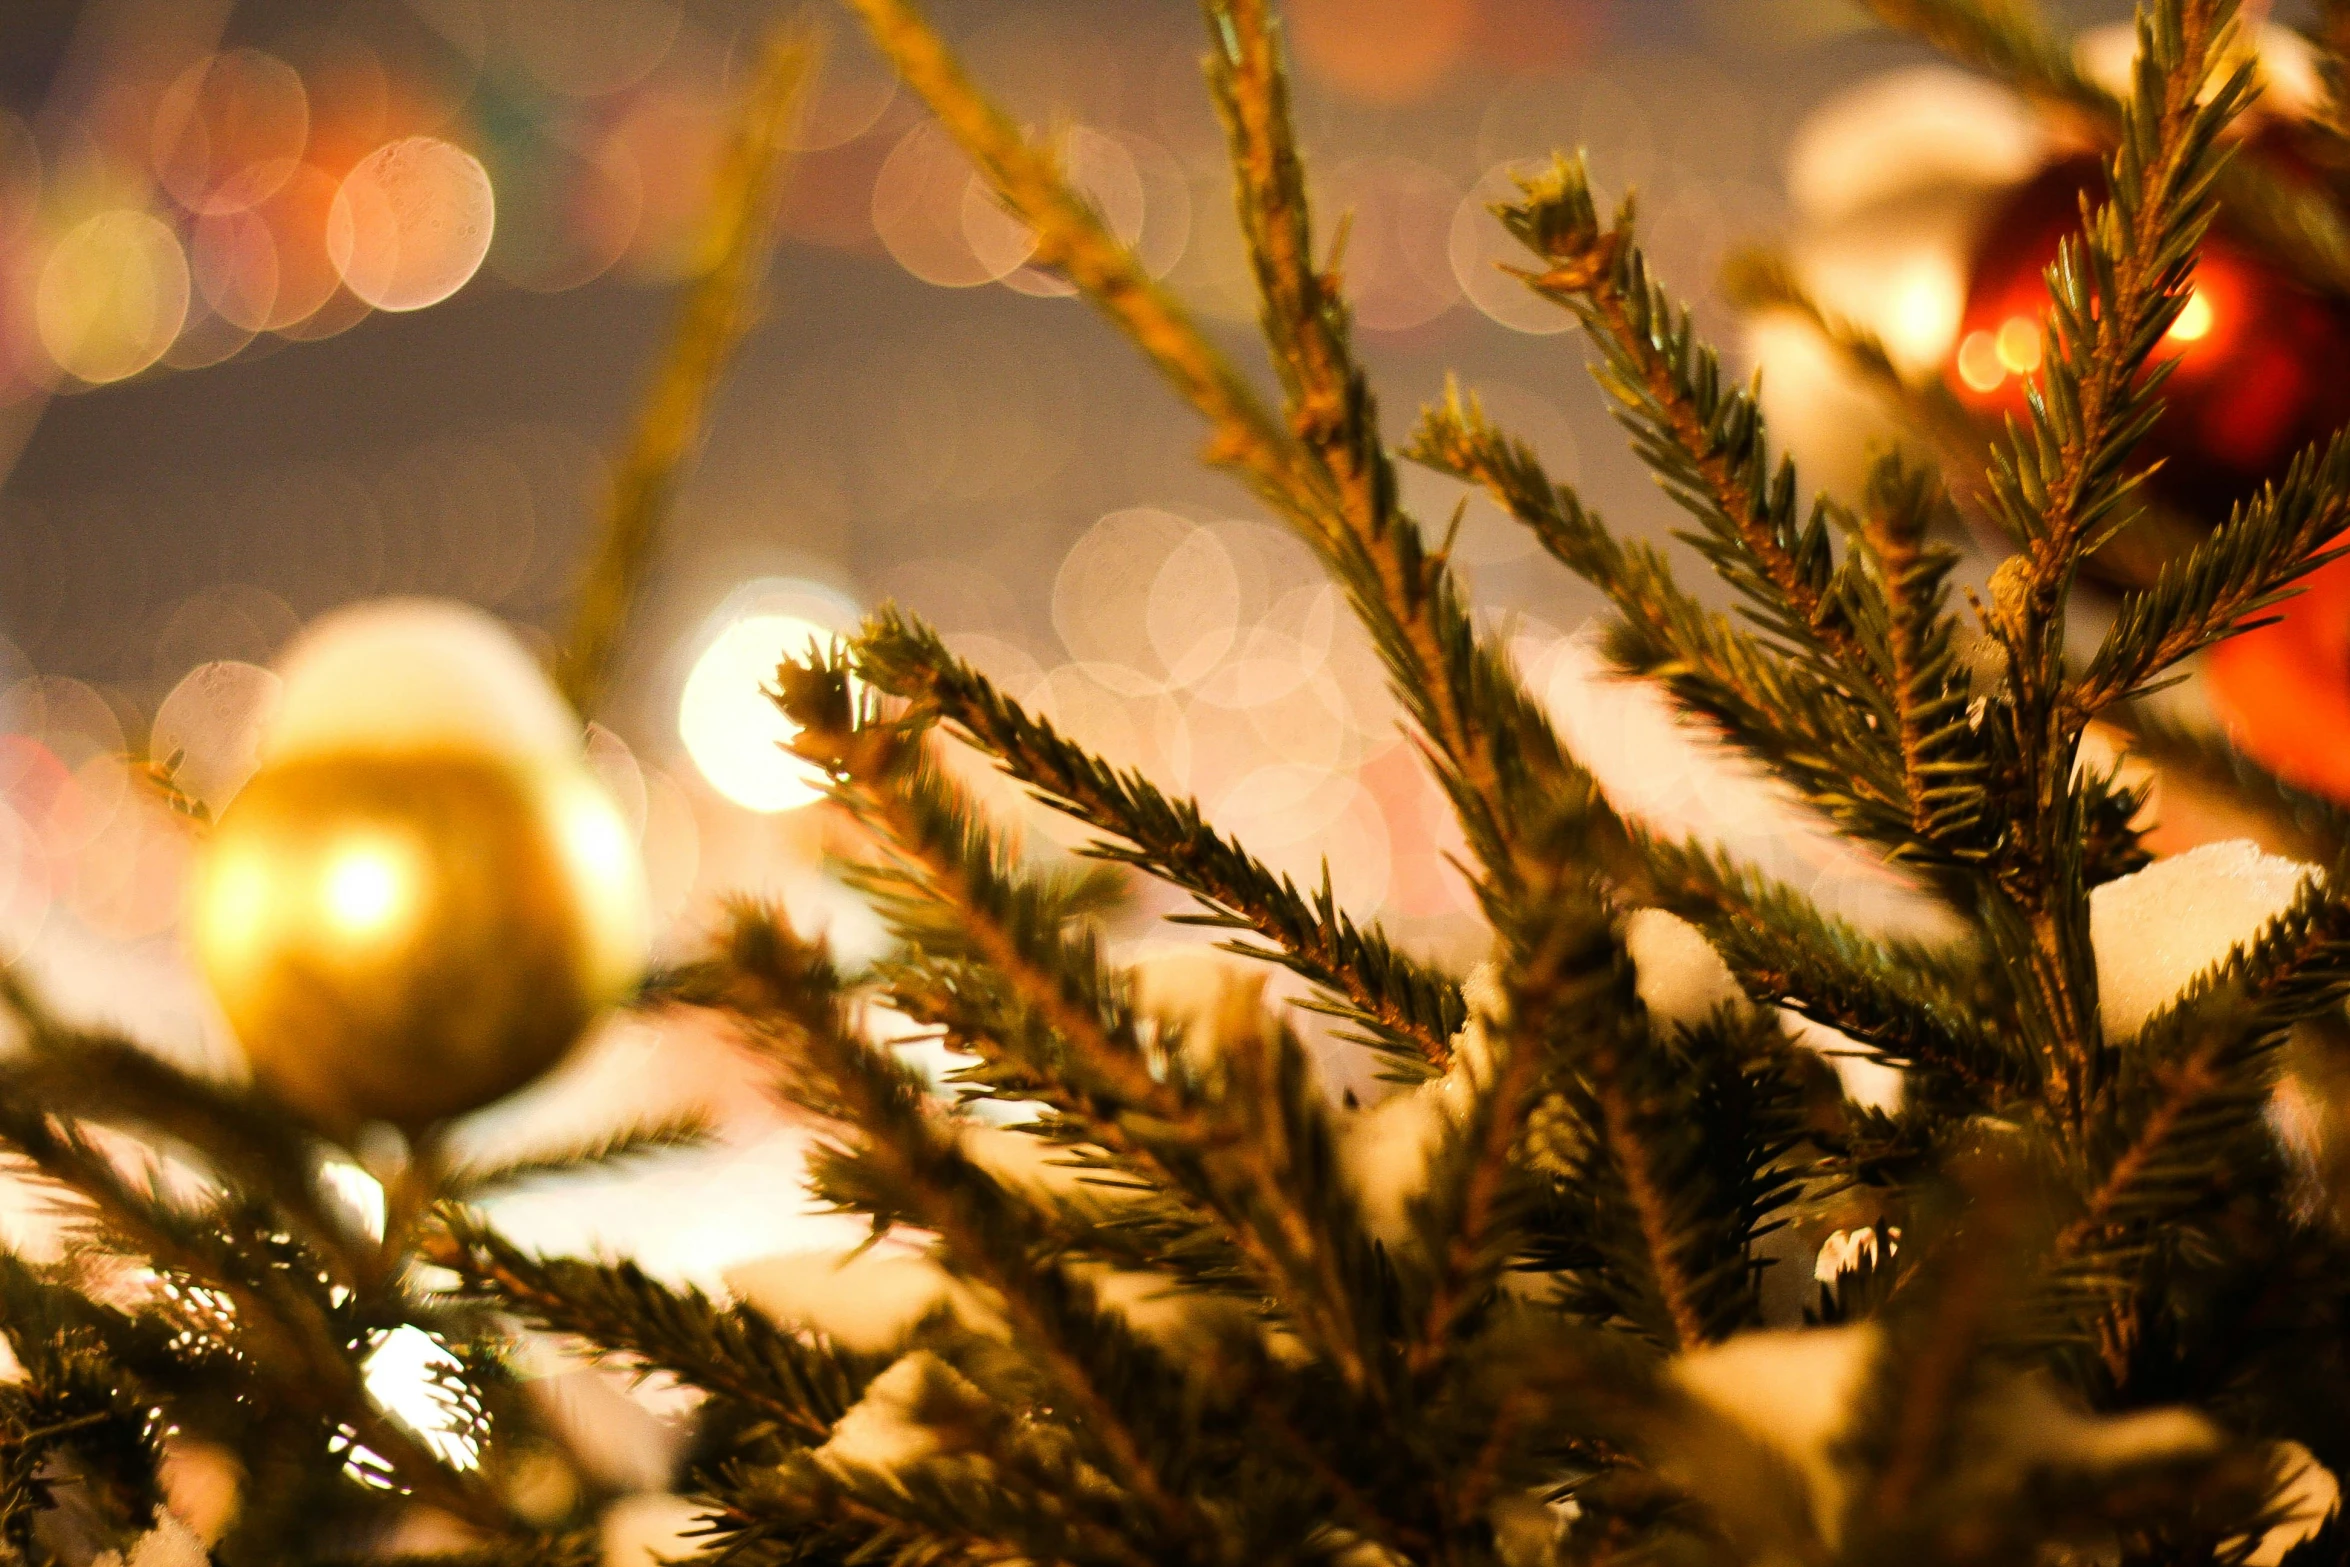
(717, 311)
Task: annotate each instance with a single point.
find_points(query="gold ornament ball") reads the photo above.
(411, 915)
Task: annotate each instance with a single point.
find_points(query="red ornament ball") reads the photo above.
(2260, 358)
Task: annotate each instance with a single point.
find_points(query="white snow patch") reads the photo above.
(2156, 930)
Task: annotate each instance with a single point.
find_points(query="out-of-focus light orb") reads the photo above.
(1382, 51)
(734, 732)
(1920, 315)
(1479, 248)
(925, 213)
(411, 223)
(1979, 364)
(230, 130)
(112, 296)
(591, 48)
(211, 726)
(2018, 344)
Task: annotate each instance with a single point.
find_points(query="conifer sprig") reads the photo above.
(1072, 1040)
(734, 1351)
(716, 312)
(2246, 566)
(1700, 436)
(1410, 1011)
(1888, 757)
(1324, 470)
(2006, 39)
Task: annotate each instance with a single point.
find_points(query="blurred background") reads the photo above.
(309, 301)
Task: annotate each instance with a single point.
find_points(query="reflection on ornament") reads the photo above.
(733, 731)
(423, 897)
(368, 888)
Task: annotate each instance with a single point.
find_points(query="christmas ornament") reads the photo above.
(2283, 691)
(422, 897)
(1929, 206)
(2258, 356)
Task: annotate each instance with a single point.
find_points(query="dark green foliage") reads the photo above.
(1406, 1011)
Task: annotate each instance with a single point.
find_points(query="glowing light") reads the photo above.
(2018, 344)
(2194, 322)
(1979, 364)
(366, 888)
(414, 1378)
(232, 917)
(112, 296)
(732, 730)
(411, 223)
(361, 1192)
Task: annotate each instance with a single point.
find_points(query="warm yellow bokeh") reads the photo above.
(733, 729)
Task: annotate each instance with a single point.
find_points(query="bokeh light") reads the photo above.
(230, 130)
(853, 91)
(209, 729)
(924, 213)
(1399, 271)
(112, 296)
(1382, 51)
(1478, 248)
(590, 48)
(411, 223)
(732, 729)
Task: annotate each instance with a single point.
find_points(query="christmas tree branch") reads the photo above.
(905, 1163)
(1703, 439)
(717, 311)
(95, 1077)
(1071, 237)
(1409, 1010)
(1912, 639)
(1493, 747)
(735, 1352)
(2268, 197)
(1835, 747)
(646, 1139)
(2247, 565)
(2006, 39)
(1917, 1004)
(946, 880)
(284, 1308)
(1325, 472)
(2302, 825)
